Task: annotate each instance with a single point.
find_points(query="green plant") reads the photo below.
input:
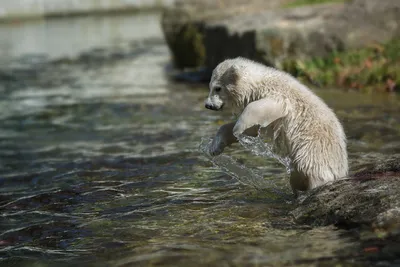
(311, 2)
(376, 66)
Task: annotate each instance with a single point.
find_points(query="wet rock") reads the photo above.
(251, 29)
(184, 25)
(371, 197)
(184, 38)
(368, 205)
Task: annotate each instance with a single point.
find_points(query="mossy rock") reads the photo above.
(188, 47)
(184, 37)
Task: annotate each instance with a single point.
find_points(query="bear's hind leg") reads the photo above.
(298, 182)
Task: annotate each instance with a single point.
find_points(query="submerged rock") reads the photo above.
(371, 197)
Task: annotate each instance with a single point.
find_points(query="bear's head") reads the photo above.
(223, 81)
(232, 84)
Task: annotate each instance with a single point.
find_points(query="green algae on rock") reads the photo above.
(310, 2)
(184, 38)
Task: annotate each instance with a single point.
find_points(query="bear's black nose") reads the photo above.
(209, 106)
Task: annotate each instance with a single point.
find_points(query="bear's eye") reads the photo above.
(217, 89)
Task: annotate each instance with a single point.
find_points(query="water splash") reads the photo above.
(240, 172)
(260, 148)
(234, 169)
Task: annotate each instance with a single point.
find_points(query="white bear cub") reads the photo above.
(302, 126)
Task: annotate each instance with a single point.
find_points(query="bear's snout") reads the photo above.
(213, 107)
(209, 106)
(214, 103)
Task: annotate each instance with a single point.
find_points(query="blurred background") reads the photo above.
(102, 113)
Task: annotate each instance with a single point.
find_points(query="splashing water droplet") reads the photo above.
(259, 148)
(240, 172)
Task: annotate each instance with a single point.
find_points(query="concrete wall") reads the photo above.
(35, 8)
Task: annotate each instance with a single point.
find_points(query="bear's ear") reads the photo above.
(232, 74)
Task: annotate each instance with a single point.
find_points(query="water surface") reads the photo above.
(103, 168)
(44, 39)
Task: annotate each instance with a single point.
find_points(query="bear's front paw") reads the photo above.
(240, 127)
(216, 148)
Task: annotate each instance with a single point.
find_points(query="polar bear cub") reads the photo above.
(302, 126)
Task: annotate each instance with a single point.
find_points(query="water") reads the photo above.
(52, 39)
(247, 176)
(230, 166)
(100, 166)
(259, 147)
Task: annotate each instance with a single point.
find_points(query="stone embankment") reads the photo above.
(202, 35)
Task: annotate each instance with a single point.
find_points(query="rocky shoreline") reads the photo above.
(293, 39)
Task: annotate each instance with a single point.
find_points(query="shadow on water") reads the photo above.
(99, 166)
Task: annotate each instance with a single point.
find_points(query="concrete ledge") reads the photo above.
(12, 10)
